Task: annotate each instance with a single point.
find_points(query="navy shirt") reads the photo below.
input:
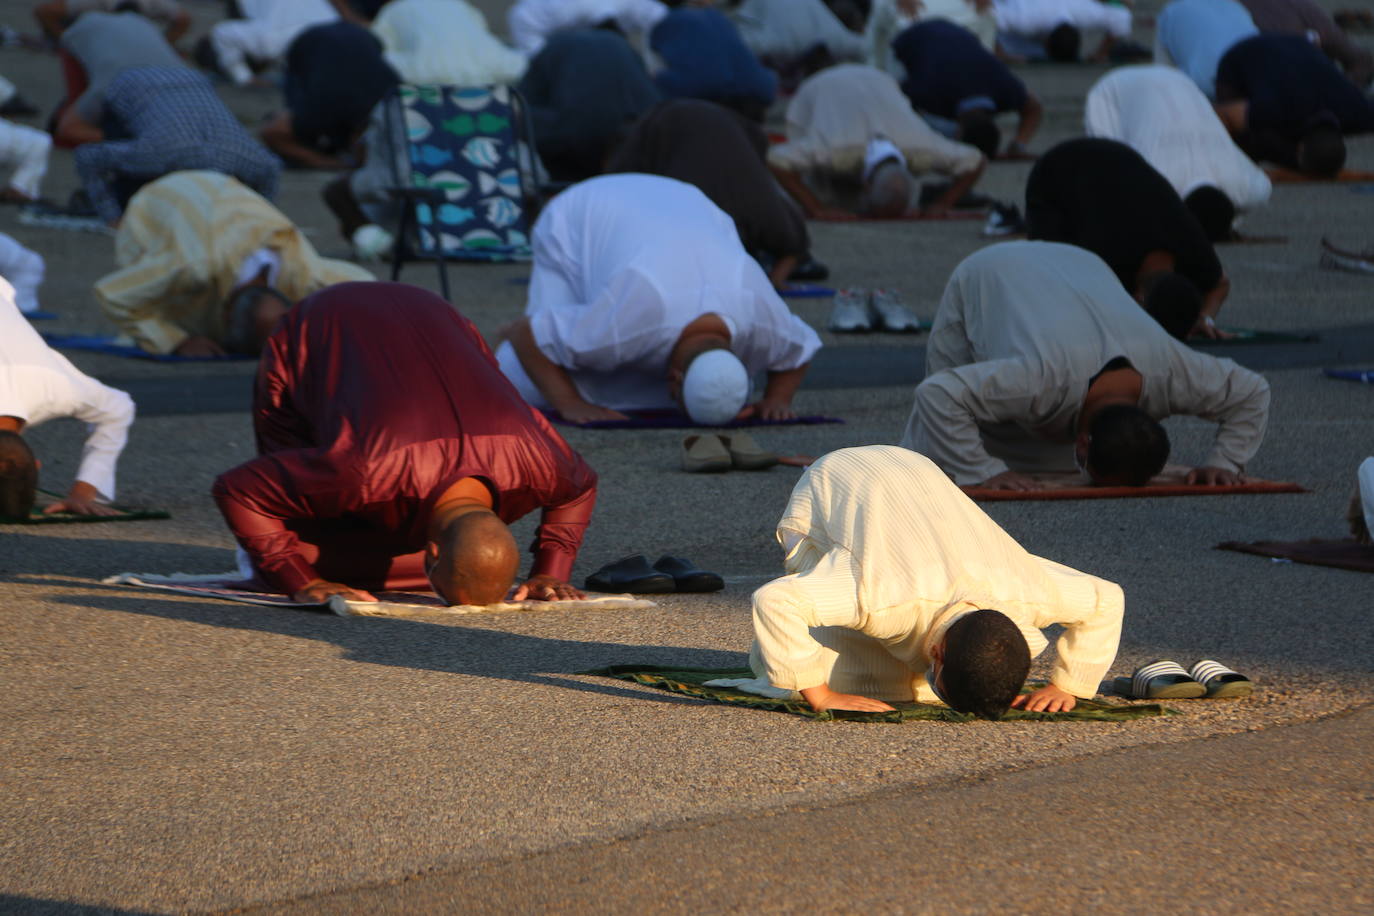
(335, 75)
(705, 58)
(1288, 81)
(1103, 196)
(946, 64)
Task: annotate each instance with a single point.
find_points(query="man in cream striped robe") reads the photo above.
(883, 554)
(189, 240)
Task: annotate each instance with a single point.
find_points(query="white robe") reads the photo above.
(622, 263)
(1163, 115)
(444, 43)
(1036, 18)
(531, 22)
(38, 384)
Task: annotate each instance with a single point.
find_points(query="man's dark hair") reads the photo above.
(1213, 210)
(241, 334)
(985, 664)
(1062, 44)
(1128, 446)
(978, 128)
(1321, 152)
(1173, 301)
(18, 476)
(128, 6)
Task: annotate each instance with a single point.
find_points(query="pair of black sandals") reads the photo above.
(633, 574)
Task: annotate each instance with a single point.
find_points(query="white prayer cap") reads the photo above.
(880, 150)
(715, 388)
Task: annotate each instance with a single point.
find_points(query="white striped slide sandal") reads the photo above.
(1161, 679)
(1221, 682)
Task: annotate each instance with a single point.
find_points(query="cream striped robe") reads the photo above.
(883, 553)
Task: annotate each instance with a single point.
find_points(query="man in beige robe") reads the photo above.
(188, 245)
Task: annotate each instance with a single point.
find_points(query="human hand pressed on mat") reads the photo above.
(588, 413)
(822, 698)
(1047, 699)
(81, 500)
(1012, 480)
(319, 591)
(546, 588)
(1214, 477)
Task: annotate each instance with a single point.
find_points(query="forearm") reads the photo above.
(559, 536)
(1087, 648)
(946, 431)
(782, 269)
(793, 184)
(273, 549)
(552, 380)
(1241, 429)
(1212, 303)
(962, 185)
(109, 420)
(178, 27)
(1031, 114)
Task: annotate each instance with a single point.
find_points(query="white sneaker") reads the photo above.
(372, 242)
(891, 315)
(850, 314)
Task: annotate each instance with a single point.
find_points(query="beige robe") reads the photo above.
(179, 248)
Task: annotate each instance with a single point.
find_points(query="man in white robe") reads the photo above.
(264, 34)
(1040, 360)
(837, 123)
(1023, 25)
(1163, 115)
(899, 587)
(531, 22)
(635, 276)
(38, 384)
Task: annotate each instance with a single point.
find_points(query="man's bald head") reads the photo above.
(473, 560)
(18, 476)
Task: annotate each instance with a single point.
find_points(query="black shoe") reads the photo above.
(630, 574)
(1004, 220)
(810, 269)
(687, 577)
(18, 107)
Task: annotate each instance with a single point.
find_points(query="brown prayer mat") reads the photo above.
(1072, 485)
(1346, 553)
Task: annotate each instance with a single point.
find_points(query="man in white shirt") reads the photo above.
(783, 31)
(264, 33)
(1024, 26)
(38, 384)
(1040, 360)
(1164, 116)
(637, 279)
(833, 123)
(531, 22)
(898, 587)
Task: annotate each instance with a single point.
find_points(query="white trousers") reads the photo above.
(24, 269)
(25, 150)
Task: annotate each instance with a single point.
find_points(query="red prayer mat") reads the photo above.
(948, 216)
(1346, 553)
(1168, 483)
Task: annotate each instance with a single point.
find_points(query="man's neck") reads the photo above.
(466, 495)
(1114, 386)
(11, 424)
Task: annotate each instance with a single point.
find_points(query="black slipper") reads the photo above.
(687, 577)
(630, 574)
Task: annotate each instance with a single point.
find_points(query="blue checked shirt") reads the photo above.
(176, 122)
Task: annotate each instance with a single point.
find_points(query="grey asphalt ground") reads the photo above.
(167, 754)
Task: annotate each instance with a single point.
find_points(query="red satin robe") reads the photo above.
(371, 400)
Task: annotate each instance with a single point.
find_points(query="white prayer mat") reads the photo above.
(232, 587)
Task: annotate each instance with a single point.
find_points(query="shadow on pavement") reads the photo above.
(46, 555)
(15, 905)
(448, 647)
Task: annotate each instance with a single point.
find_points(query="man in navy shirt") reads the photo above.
(952, 77)
(705, 58)
(1286, 103)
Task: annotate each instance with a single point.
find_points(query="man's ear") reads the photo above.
(431, 552)
(937, 652)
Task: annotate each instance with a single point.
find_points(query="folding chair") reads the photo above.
(462, 171)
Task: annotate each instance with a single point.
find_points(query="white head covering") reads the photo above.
(880, 150)
(715, 388)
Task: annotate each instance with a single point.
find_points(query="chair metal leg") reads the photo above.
(398, 246)
(443, 272)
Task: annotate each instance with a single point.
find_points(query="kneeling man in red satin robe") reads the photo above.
(392, 453)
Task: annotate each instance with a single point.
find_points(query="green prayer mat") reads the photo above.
(691, 682)
(126, 514)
